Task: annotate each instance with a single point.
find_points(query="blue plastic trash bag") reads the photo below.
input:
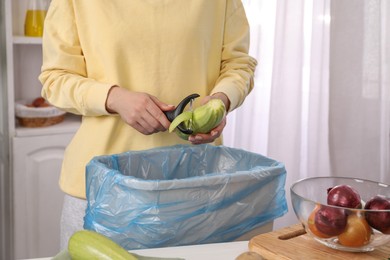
(181, 195)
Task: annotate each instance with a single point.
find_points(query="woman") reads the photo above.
(119, 64)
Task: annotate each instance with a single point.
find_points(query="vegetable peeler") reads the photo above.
(171, 115)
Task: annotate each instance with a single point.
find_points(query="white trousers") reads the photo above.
(72, 218)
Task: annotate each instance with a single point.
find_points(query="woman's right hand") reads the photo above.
(141, 111)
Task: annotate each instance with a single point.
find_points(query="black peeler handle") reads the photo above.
(171, 115)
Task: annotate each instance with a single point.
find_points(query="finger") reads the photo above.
(141, 124)
(205, 100)
(150, 124)
(200, 139)
(140, 128)
(156, 117)
(162, 105)
(156, 121)
(209, 137)
(204, 138)
(149, 120)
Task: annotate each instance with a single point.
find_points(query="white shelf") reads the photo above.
(27, 40)
(70, 125)
(32, 157)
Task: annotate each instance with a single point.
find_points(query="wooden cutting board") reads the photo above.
(272, 246)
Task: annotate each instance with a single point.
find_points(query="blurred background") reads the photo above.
(321, 102)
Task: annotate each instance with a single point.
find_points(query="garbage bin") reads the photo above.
(183, 194)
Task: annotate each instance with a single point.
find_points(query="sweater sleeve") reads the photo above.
(237, 67)
(64, 75)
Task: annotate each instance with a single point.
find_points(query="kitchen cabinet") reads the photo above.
(37, 198)
(30, 158)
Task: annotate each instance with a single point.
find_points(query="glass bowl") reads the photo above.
(339, 227)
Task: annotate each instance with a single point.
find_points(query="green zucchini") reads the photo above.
(202, 120)
(87, 244)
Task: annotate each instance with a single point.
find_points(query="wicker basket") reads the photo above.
(37, 116)
(40, 121)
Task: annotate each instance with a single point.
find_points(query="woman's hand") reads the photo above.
(217, 131)
(210, 137)
(141, 111)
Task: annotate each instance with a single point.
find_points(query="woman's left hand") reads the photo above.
(210, 137)
(215, 132)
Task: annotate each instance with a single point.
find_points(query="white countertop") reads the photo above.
(218, 251)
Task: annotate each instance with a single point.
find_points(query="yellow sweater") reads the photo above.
(167, 48)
